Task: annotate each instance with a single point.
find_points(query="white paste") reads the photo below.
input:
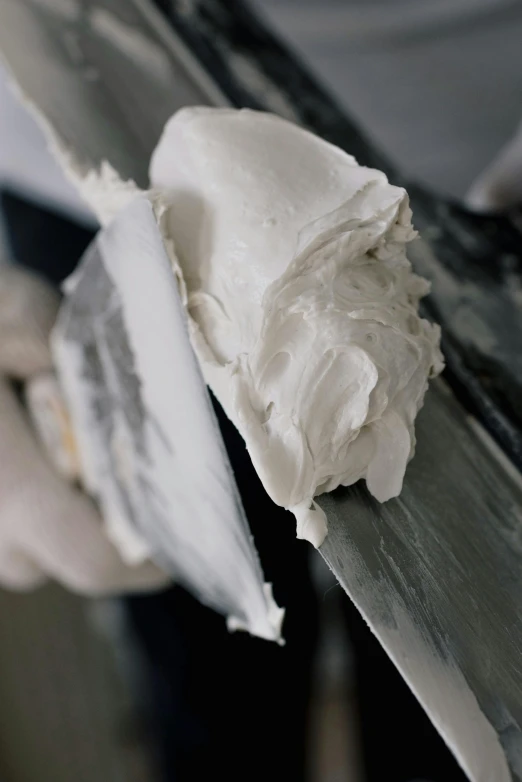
(302, 303)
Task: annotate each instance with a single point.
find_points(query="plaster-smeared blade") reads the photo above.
(149, 443)
(437, 575)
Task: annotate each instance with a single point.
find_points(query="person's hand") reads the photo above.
(48, 528)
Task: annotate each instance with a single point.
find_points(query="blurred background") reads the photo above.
(437, 86)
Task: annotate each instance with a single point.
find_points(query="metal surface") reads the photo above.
(436, 572)
(150, 445)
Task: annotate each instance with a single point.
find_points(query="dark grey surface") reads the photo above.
(434, 83)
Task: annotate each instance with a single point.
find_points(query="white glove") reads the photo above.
(47, 527)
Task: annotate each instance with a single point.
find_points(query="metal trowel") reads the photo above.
(147, 437)
(437, 572)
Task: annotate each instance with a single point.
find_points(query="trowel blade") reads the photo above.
(149, 443)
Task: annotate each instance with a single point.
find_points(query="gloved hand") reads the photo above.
(48, 528)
